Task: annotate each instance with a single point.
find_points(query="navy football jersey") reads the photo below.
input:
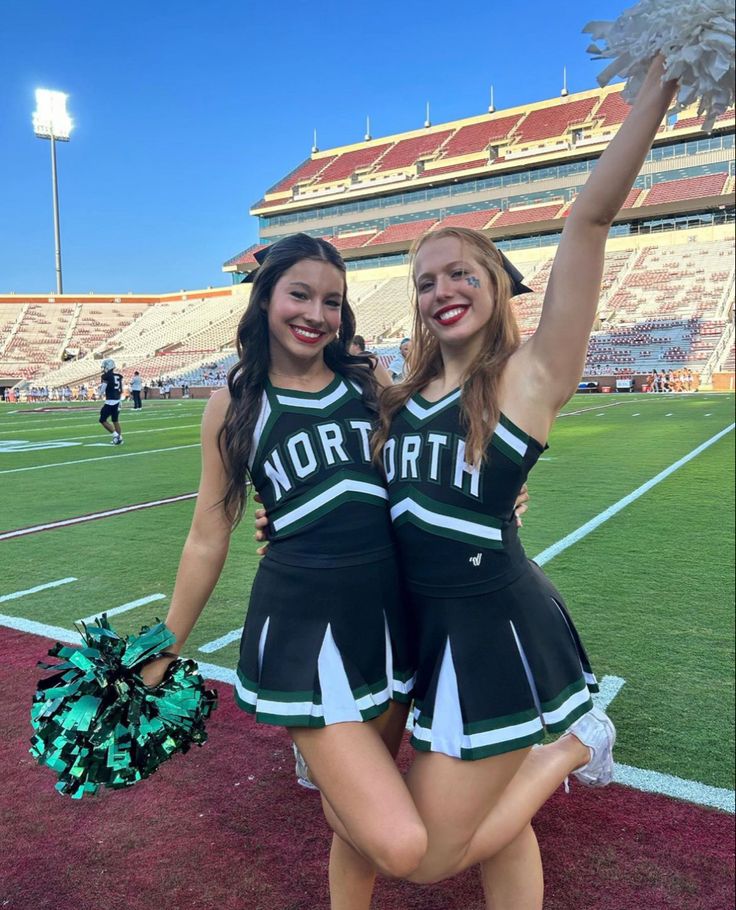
(113, 386)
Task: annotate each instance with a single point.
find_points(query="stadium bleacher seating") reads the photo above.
(665, 298)
(345, 165)
(402, 232)
(409, 151)
(477, 137)
(687, 188)
(553, 121)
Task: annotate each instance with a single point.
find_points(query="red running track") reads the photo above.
(226, 827)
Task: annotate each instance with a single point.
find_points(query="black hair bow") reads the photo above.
(517, 285)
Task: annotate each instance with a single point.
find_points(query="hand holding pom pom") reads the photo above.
(696, 39)
(98, 723)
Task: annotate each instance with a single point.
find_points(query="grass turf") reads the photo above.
(651, 590)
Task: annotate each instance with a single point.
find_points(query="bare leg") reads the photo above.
(107, 426)
(463, 831)
(513, 879)
(371, 808)
(352, 876)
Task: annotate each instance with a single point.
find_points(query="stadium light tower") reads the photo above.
(51, 121)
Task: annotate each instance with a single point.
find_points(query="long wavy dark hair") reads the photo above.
(247, 378)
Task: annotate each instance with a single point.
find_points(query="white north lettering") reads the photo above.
(411, 446)
(364, 429)
(276, 473)
(332, 440)
(436, 441)
(302, 454)
(461, 467)
(389, 459)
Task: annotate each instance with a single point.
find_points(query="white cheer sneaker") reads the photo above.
(596, 731)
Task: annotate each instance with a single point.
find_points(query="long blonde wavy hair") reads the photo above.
(479, 406)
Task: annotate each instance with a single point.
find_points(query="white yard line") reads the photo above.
(80, 519)
(50, 420)
(118, 454)
(603, 516)
(126, 432)
(62, 424)
(123, 608)
(221, 642)
(51, 584)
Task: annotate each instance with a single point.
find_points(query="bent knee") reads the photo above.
(400, 853)
(435, 869)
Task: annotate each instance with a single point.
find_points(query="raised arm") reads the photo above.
(554, 358)
(207, 543)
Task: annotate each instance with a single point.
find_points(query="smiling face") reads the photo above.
(304, 313)
(454, 291)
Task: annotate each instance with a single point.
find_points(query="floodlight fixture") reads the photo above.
(52, 121)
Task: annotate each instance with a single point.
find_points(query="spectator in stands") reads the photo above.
(111, 388)
(357, 345)
(397, 368)
(136, 384)
(357, 349)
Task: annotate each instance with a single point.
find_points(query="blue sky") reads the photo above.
(187, 110)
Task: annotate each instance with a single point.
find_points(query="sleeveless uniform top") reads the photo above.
(327, 504)
(455, 523)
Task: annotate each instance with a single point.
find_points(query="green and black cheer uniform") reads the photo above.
(498, 658)
(324, 639)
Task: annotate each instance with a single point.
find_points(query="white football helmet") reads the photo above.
(108, 364)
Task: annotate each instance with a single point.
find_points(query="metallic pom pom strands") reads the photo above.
(696, 39)
(96, 722)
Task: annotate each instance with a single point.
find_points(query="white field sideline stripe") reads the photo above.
(184, 426)
(65, 522)
(38, 425)
(62, 464)
(50, 584)
(650, 781)
(691, 791)
(601, 407)
(123, 608)
(596, 522)
(64, 424)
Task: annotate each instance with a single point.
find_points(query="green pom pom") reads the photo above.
(97, 724)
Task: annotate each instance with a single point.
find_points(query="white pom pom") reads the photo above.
(696, 39)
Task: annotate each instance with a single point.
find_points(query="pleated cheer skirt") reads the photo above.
(498, 670)
(324, 645)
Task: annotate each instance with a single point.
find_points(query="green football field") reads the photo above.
(651, 587)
